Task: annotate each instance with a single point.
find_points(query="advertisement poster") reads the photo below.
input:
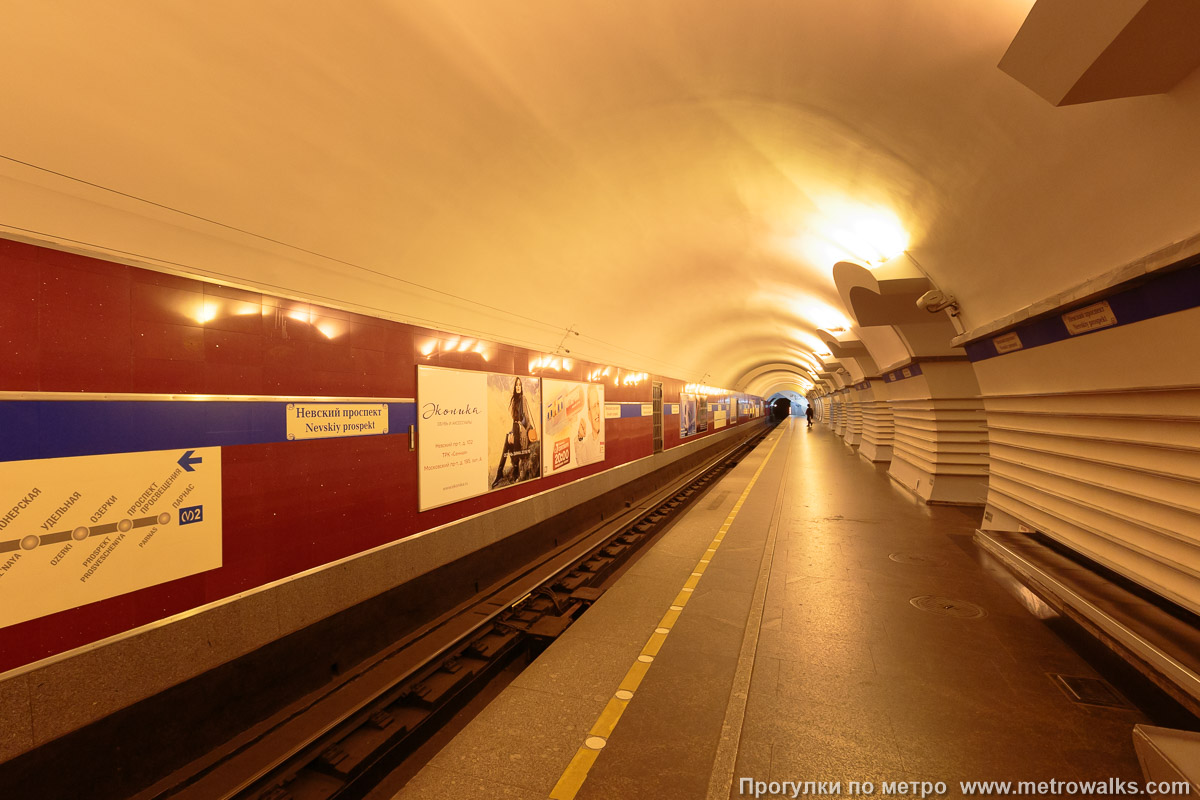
(478, 431)
(514, 429)
(701, 413)
(574, 415)
(687, 415)
(82, 529)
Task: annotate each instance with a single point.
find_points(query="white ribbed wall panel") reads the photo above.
(854, 421)
(1096, 444)
(1114, 475)
(878, 428)
(843, 412)
(944, 437)
(939, 445)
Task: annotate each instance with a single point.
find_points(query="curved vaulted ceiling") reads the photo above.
(673, 180)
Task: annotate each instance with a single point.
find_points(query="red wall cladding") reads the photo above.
(70, 323)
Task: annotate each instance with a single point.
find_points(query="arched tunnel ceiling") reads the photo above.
(673, 180)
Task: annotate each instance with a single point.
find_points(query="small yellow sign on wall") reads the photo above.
(327, 420)
(1093, 317)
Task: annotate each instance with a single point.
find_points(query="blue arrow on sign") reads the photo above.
(186, 460)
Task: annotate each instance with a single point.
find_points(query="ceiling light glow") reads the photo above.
(849, 230)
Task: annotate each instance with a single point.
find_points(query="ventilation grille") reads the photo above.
(1089, 691)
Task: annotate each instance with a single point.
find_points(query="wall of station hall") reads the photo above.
(1078, 419)
(105, 362)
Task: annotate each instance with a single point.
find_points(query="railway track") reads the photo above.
(340, 742)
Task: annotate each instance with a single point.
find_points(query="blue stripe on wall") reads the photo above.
(32, 429)
(913, 370)
(1164, 294)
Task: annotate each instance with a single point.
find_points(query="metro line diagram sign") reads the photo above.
(77, 530)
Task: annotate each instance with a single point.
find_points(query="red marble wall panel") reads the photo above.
(74, 324)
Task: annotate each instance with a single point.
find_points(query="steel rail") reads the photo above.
(274, 754)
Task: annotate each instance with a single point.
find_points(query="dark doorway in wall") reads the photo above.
(656, 398)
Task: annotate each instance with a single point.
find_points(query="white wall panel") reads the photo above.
(878, 427)
(854, 417)
(939, 448)
(1101, 449)
(836, 413)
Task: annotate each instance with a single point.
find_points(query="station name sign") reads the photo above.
(327, 420)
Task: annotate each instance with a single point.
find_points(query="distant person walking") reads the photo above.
(808, 412)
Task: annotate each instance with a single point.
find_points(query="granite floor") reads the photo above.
(799, 656)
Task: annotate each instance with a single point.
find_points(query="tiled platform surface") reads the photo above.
(847, 680)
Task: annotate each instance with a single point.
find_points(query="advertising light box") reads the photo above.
(477, 432)
(574, 419)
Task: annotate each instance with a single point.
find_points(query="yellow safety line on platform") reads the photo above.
(576, 772)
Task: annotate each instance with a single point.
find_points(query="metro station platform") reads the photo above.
(806, 621)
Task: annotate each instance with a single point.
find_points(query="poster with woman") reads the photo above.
(476, 431)
(574, 414)
(687, 415)
(514, 429)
